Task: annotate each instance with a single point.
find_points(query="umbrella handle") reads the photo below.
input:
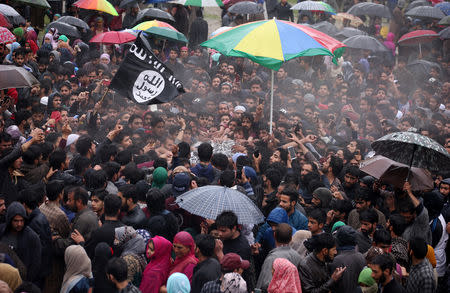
(410, 163)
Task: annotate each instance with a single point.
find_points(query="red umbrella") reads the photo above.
(113, 37)
(4, 22)
(418, 37)
(6, 36)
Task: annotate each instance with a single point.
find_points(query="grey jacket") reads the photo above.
(266, 271)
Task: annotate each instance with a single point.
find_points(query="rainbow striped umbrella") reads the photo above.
(143, 26)
(272, 42)
(100, 5)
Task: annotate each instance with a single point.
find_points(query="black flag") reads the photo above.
(143, 78)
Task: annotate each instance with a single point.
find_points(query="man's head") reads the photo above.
(444, 187)
(368, 219)
(363, 200)
(396, 225)
(288, 199)
(117, 270)
(417, 248)
(283, 234)
(55, 190)
(316, 221)
(324, 246)
(227, 225)
(321, 197)
(112, 204)
(351, 176)
(382, 239)
(341, 209)
(205, 245)
(129, 197)
(98, 201)
(407, 210)
(77, 199)
(382, 266)
(15, 217)
(205, 151)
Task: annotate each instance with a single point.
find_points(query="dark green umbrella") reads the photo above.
(166, 33)
(414, 150)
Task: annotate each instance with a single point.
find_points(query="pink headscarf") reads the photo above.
(285, 278)
(157, 271)
(187, 263)
(389, 43)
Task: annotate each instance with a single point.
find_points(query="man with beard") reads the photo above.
(363, 202)
(37, 115)
(421, 276)
(351, 184)
(271, 179)
(133, 214)
(382, 267)
(23, 120)
(288, 200)
(313, 269)
(368, 220)
(84, 223)
(331, 168)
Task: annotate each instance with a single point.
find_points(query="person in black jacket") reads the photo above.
(283, 11)
(134, 216)
(208, 268)
(199, 30)
(22, 239)
(58, 164)
(38, 222)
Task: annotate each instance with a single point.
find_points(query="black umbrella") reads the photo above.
(15, 77)
(11, 14)
(348, 32)
(65, 29)
(365, 43)
(246, 7)
(417, 3)
(326, 28)
(371, 9)
(153, 13)
(445, 34)
(421, 68)
(426, 12)
(128, 3)
(414, 150)
(74, 21)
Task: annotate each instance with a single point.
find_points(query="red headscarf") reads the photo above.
(33, 46)
(185, 264)
(285, 278)
(157, 271)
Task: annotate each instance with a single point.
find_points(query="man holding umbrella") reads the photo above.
(416, 216)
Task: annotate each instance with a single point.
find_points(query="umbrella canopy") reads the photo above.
(167, 33)
(210, 201)
(199, 3)
(314, 6)
(365, 43)
(113, 37)
(445, 20)
(348, 32)
(272, 42)
(372, 9)
(445, 34)
(74, 22)
(444, 7)
(65, 29)
(421, 68)
(6, 36)
(417, 37)
(395, 173)
(413, 149)
(220, 30)
(426, 12)
(153, 13)
(418, 3)
(99, 5)
(246, 7)
(326, 28)
(128, 3)
(148, 24)
(4, 22)
(38, 3)
(343, 16)
(11, 14)
(12, 76)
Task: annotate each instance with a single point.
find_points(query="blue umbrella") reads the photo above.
(444, 7)
(209, 201)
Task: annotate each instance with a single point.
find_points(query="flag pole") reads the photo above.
(271, 104)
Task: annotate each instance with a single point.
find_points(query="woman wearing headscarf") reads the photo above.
(159, 177)
(78, 270)
(156, 272)
(132, 246)
(285, 277)
(9, 57)
(298, 241)
(19, 33)
(103, 253)
(178, 283)
(184, 249)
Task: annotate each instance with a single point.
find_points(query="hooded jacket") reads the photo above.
(206, 171)
(28, 244)
(39, 223)
(265, 234)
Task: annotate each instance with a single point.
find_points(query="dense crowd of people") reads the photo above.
(89, 179)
